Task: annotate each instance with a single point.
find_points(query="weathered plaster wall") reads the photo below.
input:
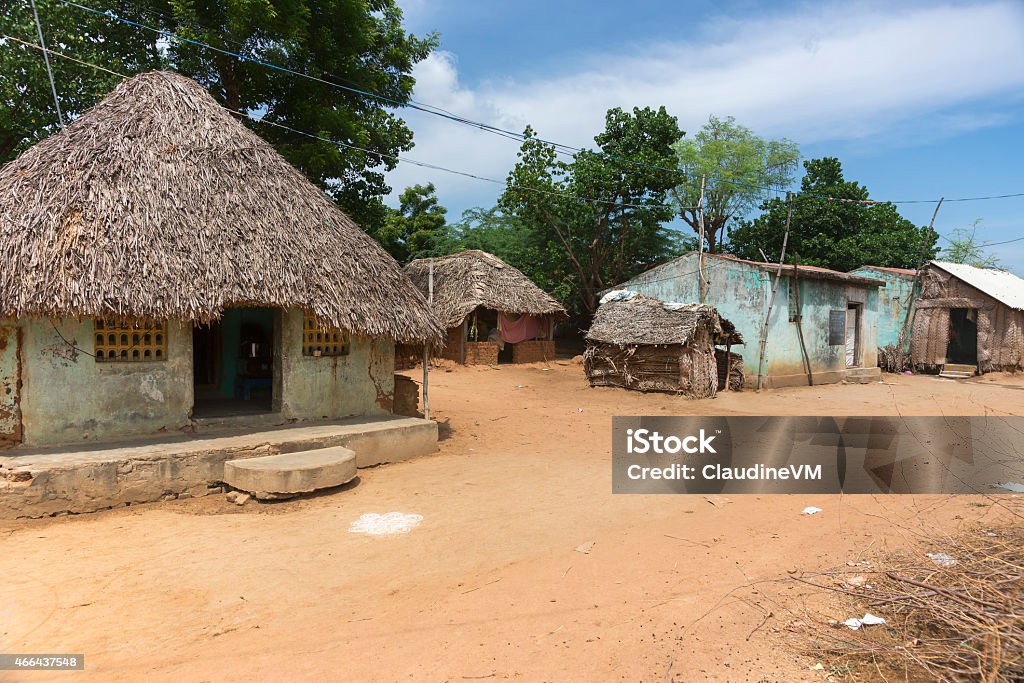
(10, 384)
(67, 397)
(741, 291)
(892, 305)
(310, 387)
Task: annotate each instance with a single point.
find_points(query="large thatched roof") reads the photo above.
(157, 203)
(643, 320)
(469, 279)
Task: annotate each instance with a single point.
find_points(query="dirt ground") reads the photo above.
(494, 584)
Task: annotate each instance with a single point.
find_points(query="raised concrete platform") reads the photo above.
(44, 482)
(863, 375)
(289, 474)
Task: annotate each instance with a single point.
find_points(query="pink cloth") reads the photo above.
(514, 330)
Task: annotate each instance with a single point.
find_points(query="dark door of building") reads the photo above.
(963, 336)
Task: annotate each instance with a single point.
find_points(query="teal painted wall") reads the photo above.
(892, 305)
(230, 331)
(10, 383)
(741, 292)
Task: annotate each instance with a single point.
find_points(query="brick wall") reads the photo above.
(481, 353)
(534, 351)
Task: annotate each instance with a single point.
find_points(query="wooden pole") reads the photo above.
(771, 299)
(701, 284)
(426, 347)
(799, 327)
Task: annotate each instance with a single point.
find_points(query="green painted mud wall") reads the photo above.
(310, 387)
(10, 384)
(741, 292)
(67, 397)
(892, 305)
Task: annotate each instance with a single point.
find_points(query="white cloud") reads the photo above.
(818, 74)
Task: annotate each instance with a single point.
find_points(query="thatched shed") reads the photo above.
(968, 316)
(642, 343)
(158, 253)
(490, 309)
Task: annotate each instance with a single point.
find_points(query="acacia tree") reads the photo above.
(834, 227)
(603, 210)
(737, 168)
(964, 248)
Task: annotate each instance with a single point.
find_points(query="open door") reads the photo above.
(963, 336)
(853, 335)
(233, 362)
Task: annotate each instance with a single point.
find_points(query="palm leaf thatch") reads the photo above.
(156, 203)
(470, 279)
(644, 320)
(643, 344)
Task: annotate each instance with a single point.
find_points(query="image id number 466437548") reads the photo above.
(40, 662)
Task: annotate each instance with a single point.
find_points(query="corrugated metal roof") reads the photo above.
(998, 284)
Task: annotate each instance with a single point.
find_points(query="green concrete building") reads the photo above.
(163, 264)
(822, 326)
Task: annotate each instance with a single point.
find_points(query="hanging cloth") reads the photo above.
(516, 329)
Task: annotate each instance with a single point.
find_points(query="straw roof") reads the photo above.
(643, 320)
(157, 203)
(469, 279)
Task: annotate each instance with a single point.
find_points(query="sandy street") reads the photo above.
(525, 566)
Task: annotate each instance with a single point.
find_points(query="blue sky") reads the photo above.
(918, 100)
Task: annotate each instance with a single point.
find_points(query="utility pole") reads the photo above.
(911, 300)
(702, 284)
(426, 347)
(771, 299)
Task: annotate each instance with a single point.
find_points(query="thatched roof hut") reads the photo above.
(157, 203)
(642, 343)
(471, 279)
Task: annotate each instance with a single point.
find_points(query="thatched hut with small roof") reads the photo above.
(639, 342)
(492, 311)
(162, 262)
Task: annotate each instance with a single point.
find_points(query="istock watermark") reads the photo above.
(864, 454)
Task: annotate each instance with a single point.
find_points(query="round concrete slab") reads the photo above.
(276, 476)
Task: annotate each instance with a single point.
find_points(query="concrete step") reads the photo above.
(289, 474)
(863, 375)
(958, 371)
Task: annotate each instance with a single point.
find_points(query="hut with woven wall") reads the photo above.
(639, 342)
(492, 311)
(968, 316)
(163, 262)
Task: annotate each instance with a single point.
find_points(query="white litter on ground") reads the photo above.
(867, 620)
(811, 510)
(941, 559)
(1011, 486)
(388, 524)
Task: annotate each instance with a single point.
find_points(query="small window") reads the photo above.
(320, 340)
(127, 340)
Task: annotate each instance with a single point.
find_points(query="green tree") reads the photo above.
(356, 43)
(605, 215)
(964, 248)
(833, 227)
(416, 227)
(27, 111)
(738, 170)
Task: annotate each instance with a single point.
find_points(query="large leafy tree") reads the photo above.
(736, 170)
(359, 44)
(27, 110)
(834, 226)
(605, 211)
(416, 228)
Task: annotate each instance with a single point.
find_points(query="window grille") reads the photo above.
(120, 340)
(320, 340)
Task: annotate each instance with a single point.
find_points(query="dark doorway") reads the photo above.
(233, 364)
(963, 336)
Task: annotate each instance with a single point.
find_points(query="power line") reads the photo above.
(559, 147)
(415, 162)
